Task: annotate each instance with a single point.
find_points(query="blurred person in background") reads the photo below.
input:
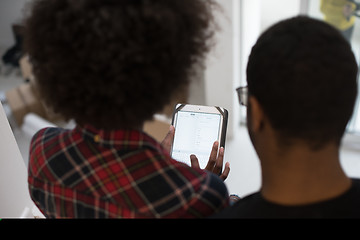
(340, 14)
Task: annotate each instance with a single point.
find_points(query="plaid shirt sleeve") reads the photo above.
(87, 173)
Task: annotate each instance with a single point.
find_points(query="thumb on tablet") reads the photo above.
(194, 161)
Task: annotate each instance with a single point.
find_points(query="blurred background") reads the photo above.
(241, 21)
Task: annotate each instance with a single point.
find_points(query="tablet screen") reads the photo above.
(195, 133)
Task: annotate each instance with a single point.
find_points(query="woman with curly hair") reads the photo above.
(111, 65)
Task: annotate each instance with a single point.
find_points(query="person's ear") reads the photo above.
(257, 114)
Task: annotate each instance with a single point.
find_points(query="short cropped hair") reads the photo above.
(115, 63)
(304, 74)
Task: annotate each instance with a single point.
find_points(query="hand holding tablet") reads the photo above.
(200, 132)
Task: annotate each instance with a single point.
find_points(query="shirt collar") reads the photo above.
(124, 138)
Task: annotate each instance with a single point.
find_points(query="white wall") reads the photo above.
(220, 73)
(14, 195)
(276, 10)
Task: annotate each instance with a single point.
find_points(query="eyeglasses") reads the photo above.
(243, 95)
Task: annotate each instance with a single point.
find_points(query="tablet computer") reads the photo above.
(197, 127)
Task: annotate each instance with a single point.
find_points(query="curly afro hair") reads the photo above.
(114, 63)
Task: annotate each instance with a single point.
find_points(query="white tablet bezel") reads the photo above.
(203, 109)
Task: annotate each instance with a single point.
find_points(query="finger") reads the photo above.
(194, 161)
(212, 158)
(219, 161)
(226, 171)
(168, 140)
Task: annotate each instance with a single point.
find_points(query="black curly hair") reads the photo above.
(114, 63)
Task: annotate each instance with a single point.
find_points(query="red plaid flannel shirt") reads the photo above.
(90, 173)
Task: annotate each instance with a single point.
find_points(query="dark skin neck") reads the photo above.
(302, 176)
(294, 174)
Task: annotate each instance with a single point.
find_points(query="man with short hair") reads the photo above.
(300, 96)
